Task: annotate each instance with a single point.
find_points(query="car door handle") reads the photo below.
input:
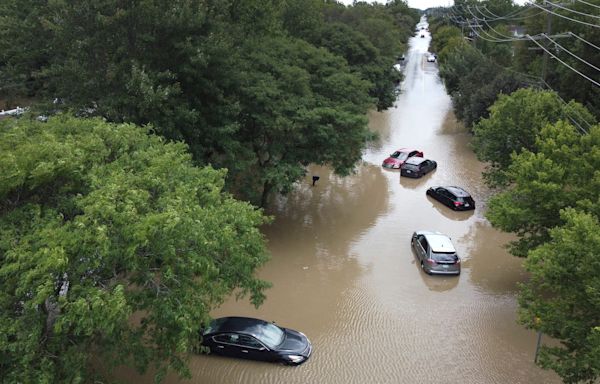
(244, 351)
(220, 346)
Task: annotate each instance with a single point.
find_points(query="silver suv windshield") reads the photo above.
(439, 256)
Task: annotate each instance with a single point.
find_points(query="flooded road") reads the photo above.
(343, 271)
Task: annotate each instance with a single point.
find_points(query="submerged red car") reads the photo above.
(398, 158)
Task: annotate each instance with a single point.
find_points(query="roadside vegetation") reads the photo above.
(541, 140)
(129, 193)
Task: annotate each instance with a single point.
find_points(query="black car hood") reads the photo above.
(294, 341)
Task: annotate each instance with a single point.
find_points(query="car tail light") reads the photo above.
(431, 262)
(458, 203)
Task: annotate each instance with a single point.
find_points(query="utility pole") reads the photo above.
(548, 32)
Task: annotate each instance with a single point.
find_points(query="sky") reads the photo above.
(423, 4)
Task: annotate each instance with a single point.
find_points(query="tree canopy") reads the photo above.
(186, 69)
(562, 297)
(514, 123)
(114, 247)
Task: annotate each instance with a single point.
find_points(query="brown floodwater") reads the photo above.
(343, 271)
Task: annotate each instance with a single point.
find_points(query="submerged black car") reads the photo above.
(417, 167)
(256, 339)
(454, 197)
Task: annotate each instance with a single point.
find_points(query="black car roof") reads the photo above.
(458, 191)
(415, 160)
(247, 325)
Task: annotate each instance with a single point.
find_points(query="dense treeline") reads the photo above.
(117, 241)
(261, 88)
(543, 156)
(486, 52)
(102, 224)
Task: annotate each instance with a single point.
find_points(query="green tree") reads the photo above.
(572, 22)
(514, 123)
(479, 89)
(562, 173)
(113, 248)
(562, 297)
(319, 115)
(445, 38)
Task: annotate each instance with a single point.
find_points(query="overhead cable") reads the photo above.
(570, 108)
(571, 53)
(584, 40)
(564, 17)
(590, 4)
(572, 10)
(565, 64)
(512, 38)
(512, 18)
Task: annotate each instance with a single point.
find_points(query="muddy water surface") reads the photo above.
(343, 271)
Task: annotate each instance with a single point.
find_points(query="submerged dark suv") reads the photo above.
(417, 167)
(454, 197)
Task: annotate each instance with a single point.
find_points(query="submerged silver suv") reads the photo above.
(436, 253)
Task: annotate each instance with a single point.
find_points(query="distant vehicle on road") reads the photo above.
(422, 35)
(436, 253)
(417, 167)
(256, 339)
(431, 58)
(396, 159)
(453, 197)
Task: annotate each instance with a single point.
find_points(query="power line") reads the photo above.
(492, 28)
(584, 40)
(572, 10)
(565, 17)
(565, 64)
(507, 16)
(590, 4)
(571, 53)
(511, 18)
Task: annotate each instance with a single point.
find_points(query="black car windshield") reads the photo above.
(270, 335)
(439, 256)
(400, 155)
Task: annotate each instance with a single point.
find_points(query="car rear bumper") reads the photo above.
(441, 272)
(412, 174)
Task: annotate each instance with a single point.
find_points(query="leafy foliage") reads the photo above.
(562, 297)
(113, 247)
(186, 69)
(562, 173)
(514, 123)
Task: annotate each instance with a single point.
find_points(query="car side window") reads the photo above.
(250, 342)
(228, 338)
(423, 242)
(412, 153)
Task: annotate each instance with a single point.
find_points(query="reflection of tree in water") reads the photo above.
(333, 212)
(311, 268)
(492, 268)
(380, 123)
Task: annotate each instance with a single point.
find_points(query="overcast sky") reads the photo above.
(423, 4)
